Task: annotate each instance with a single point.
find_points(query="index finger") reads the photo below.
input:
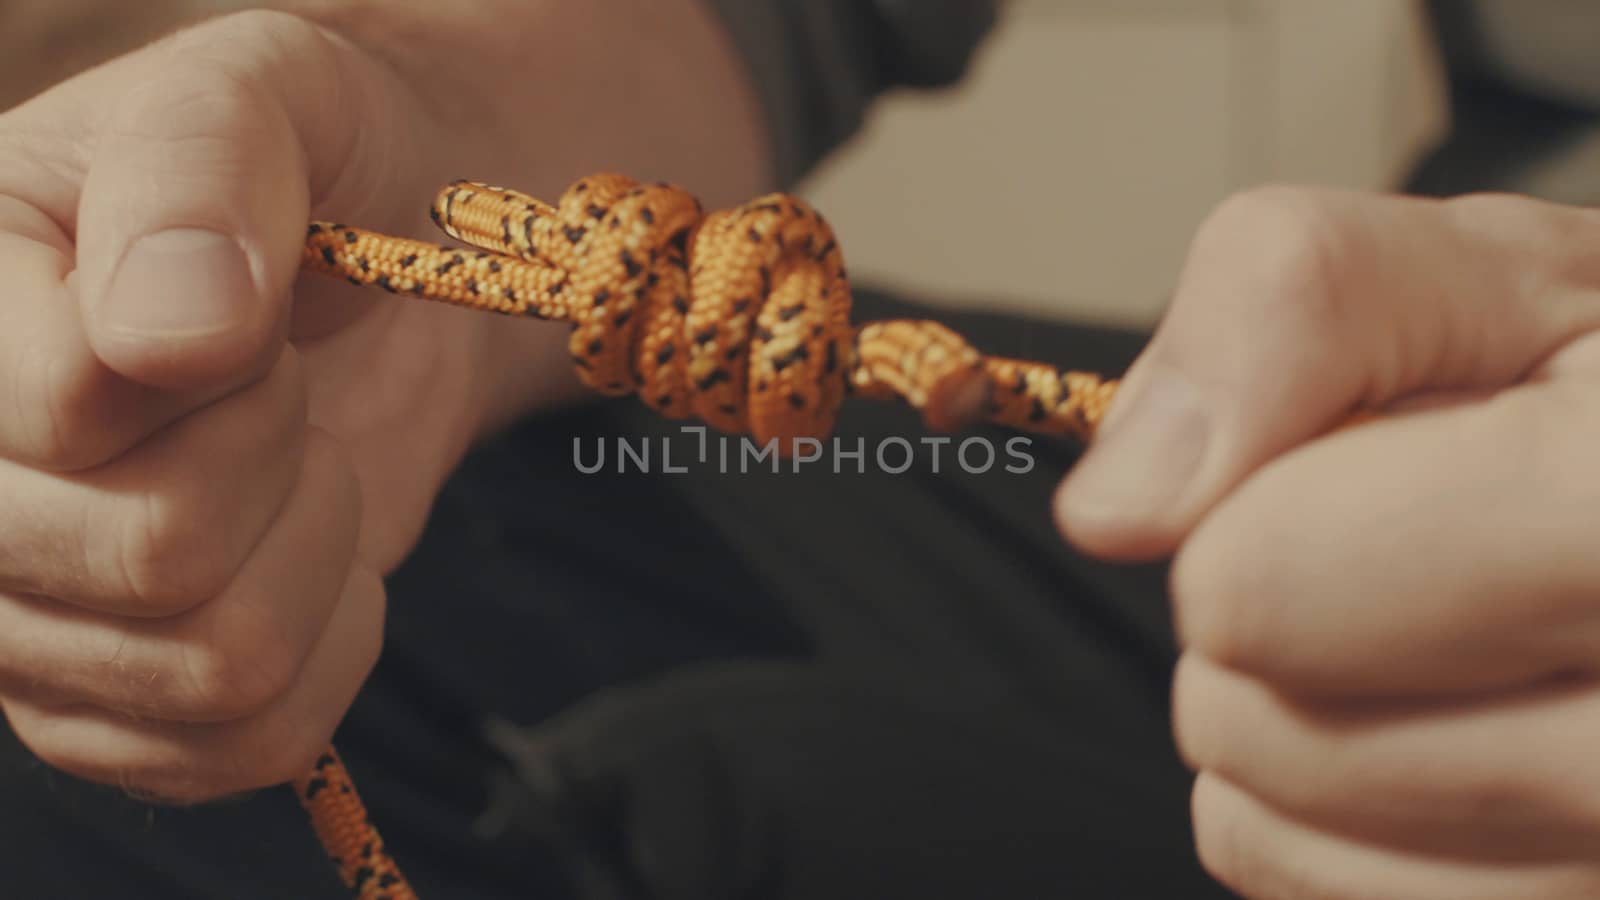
(1300, 307)
(60, 407)
(1442, 551)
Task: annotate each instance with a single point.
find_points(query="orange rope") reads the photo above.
(341, 823)
(740, 318)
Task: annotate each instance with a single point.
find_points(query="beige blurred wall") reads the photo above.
(1068, 174)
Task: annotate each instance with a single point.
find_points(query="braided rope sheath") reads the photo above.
(740, 318)
(353, 845)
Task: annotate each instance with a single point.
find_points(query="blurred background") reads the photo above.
(1067, 174)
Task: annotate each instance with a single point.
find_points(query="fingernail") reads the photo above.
(1145, 460)
(184, 282)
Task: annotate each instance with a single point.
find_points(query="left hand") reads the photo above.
(1391, 632)
(207, 463)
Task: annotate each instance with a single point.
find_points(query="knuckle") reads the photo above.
(1217, 611)
(333, 462)
(253, 31)
(1496, 207)
(220, 84)
(252, 52)
(183, 783)
(226, 71)
(32, 726)
(161, 771)
(1222, 848)
(244, 667)
(284, 408)
(56, 740)
(207, 103)
(204, 775)
(285, 747)
(59, 440)
(1194, 740)
(1585, 800)
(1486, 791)
(1498, 795)
(1522, 220)
(168, 557)
(1553, 244)
(191, 777)
(40, 151)
(1293, 241)
(57, 428)
(246, 41)
(1189, 589)
(1231, 850)
(367, 591)
(176, 534)
(42, 429)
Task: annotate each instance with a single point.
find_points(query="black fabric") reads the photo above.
(1501, 132)
(817, 65)
(756, 686)
(1499, 138)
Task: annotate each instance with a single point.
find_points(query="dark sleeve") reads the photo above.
(818, 64)
(1524, 102)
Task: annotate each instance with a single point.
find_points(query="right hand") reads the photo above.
(206, 469)
(1390, 632)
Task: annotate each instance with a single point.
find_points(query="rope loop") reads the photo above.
(740, 318)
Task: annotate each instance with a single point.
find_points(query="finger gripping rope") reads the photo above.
(740, 318)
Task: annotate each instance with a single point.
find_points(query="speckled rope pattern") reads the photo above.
(739, 318)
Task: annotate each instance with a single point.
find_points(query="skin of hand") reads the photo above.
(208, 465)
(1391, 630)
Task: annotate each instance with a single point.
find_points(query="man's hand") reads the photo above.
(207, 466)
(197, 511)
(1391, 631)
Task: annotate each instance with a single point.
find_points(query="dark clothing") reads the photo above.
(759, 686)
(1525, 102)
(808, 685)
(818, 64)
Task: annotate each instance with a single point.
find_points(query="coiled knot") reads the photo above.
(740, 318)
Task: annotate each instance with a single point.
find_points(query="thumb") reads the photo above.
(1296, 309)
(196, 200)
